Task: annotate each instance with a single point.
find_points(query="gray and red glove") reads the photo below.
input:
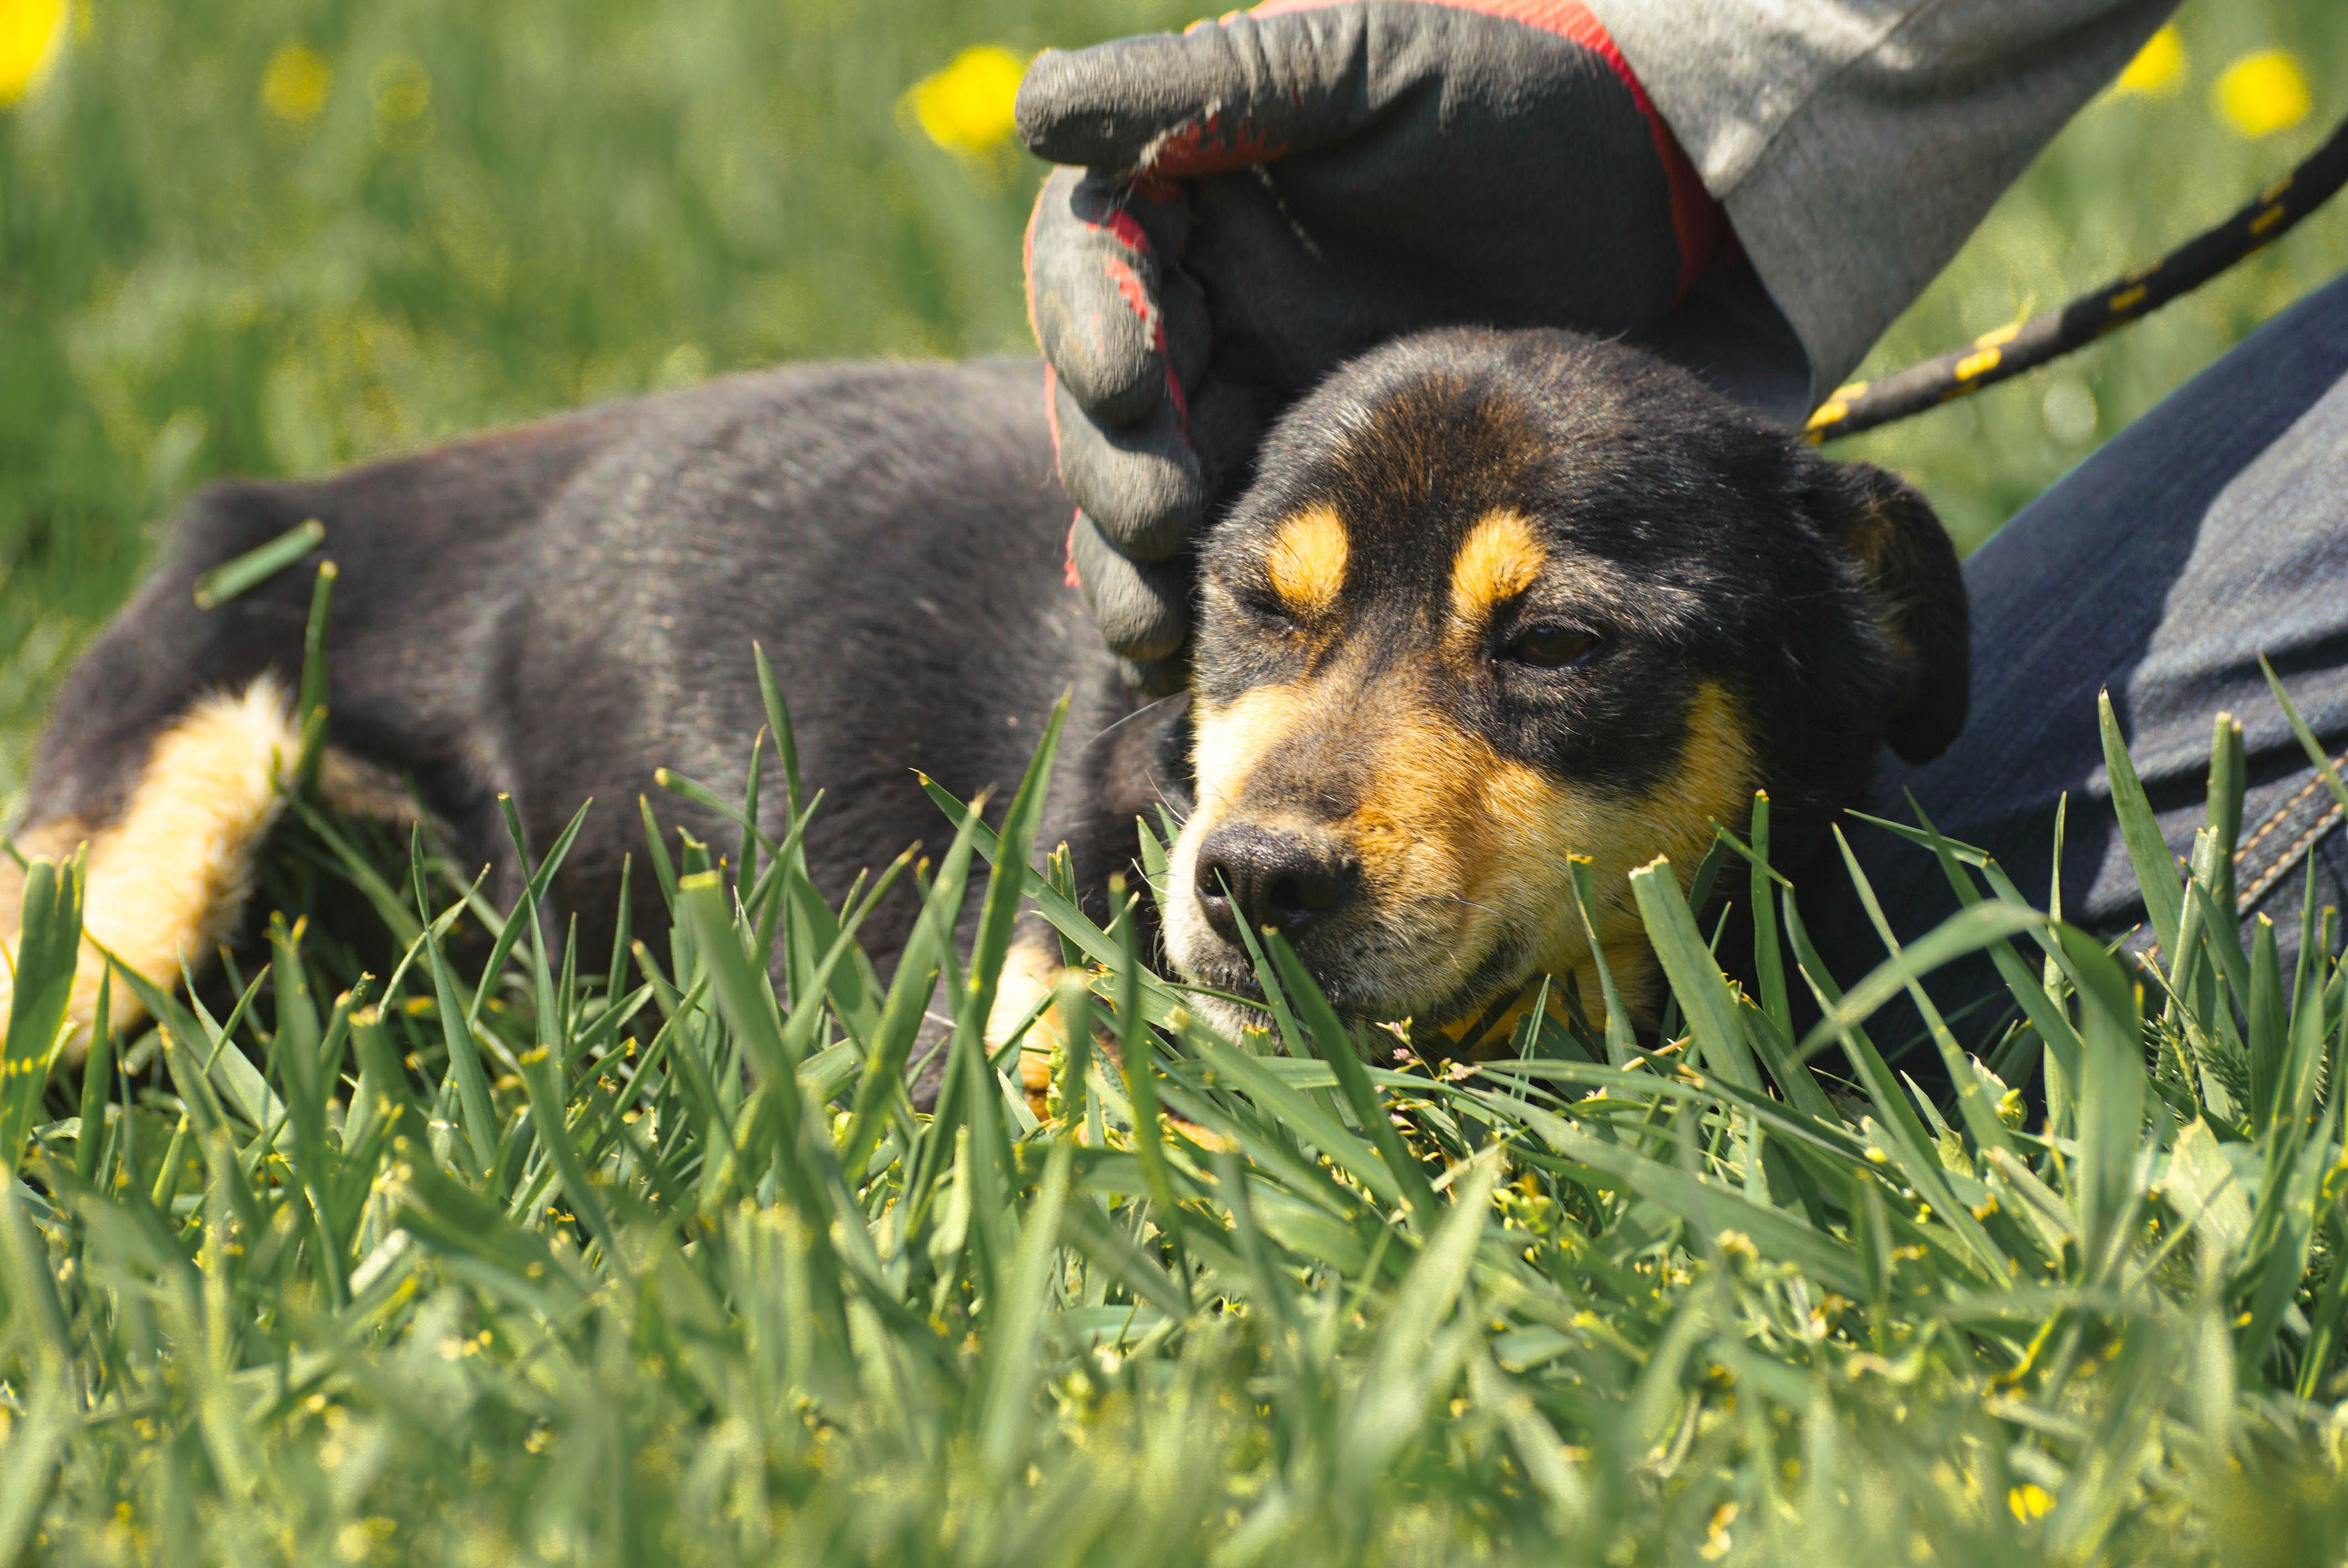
(1259, 197)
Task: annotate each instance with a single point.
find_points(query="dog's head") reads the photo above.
(1498, 599)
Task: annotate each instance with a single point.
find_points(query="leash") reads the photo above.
(2007, 351)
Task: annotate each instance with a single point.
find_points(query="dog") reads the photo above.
(1490, 600)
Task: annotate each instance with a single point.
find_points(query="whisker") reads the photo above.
(1111, 729)
(1472, 904)
(1181, 818)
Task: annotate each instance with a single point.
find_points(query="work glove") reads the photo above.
(1256, 198)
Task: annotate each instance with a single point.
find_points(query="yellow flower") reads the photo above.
(402, 89)
(2029, 1501)
(31, 34)
(2159, 68)
(296, 84)
(2262, 94)
(966, 106)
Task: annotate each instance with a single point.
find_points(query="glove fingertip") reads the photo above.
(1035, 108)
(1063, 110)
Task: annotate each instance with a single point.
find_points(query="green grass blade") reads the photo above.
(310, 703)
(1325, 1032)
(1137, 1057)
(1299, 1115)
(2156, 868)
(1979, 1116)
(2111, 1097)
(1913, 1149)
(258, 565)
(881, 1083)
(37, 1322)
(29, 1462)
(1003, 1412)
(97, 1076)
(1768, 964)
(2227, 785)
(1695, 974)
(523, 917)
(1011, 875)
(2316, 754)
(2282, 1236)
(1072, 1005)
(1966, 931)
(778, 724)
(1621, 1040)
(464, 1058)
(1090, 1230)
(48, 945)
(2269, 1023)
(1708, 1206)
(2029, 990)
(1406, 1371)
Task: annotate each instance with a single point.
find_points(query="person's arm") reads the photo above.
(1856, 143)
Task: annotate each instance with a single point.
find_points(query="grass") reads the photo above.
(274, 237)
(636, 1256)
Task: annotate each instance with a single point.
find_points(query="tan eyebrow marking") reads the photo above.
(1501, 559)
(1307, 561)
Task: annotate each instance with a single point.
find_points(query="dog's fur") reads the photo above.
(1383, 705)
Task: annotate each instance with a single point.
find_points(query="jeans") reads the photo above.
(2211, 531)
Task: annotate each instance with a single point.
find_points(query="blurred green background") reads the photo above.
(275, 236)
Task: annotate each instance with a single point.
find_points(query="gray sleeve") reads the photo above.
(1856, 143)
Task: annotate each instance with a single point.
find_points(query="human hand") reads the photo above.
(1259, 197)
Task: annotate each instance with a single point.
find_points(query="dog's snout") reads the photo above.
(1270, 878)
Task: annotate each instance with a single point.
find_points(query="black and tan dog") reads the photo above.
(1491, 601)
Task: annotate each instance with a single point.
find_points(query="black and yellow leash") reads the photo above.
(1995, 356)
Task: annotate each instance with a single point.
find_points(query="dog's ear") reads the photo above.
(1918, 594)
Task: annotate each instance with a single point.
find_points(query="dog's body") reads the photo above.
(1493, 601)
(552, 613)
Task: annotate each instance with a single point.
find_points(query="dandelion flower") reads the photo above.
(31, 33)
(402, 89)
(294, 87)
(966, 106)
(2262, 94)
(2159, 68)
(2029, 1501)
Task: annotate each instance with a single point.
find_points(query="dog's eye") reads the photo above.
(1550, 647)
(1269, 613)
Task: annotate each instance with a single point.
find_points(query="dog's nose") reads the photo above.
(1269, 879)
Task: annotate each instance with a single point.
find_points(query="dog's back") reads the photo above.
(553, 612)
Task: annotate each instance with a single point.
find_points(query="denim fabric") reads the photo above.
(2212, 531)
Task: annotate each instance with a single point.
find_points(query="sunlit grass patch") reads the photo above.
(634, 1255)
(240, 241)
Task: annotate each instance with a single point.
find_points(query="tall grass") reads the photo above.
(273, 237)
(637, 1256)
